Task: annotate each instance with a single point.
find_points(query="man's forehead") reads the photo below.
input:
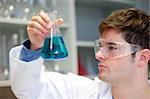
(112, 35)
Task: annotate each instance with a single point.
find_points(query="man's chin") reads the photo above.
(103, 77)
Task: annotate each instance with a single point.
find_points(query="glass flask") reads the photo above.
(54, 46)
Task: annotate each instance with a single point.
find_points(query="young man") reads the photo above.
(123, 52)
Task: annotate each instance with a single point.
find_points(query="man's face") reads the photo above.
(112, 69)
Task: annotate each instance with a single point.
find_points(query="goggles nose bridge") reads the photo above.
(99, 55)
(101, 48)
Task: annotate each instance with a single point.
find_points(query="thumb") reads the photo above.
(59, 21)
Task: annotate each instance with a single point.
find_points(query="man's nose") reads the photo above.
(99, 55)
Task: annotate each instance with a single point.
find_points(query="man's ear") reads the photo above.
(144, 56)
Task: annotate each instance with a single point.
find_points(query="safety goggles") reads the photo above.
(115, 49)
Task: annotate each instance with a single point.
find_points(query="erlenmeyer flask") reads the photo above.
(54, 46)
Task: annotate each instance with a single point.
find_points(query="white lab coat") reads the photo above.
(28, 81)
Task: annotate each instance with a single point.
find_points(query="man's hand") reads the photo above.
(38, 28)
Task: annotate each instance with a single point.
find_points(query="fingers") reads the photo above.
(33, 31)
(39, 20)
(37, 25)
(44, 16)
(41, 24)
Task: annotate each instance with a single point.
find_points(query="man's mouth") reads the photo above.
(102, 67)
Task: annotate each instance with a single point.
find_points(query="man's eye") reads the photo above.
(100, 45)
(112, 48)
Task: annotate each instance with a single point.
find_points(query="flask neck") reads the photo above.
(54, 31)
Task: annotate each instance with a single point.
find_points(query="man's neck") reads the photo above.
(131, 90)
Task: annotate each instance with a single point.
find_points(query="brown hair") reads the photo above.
(132, 22)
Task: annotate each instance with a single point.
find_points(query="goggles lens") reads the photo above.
(115, 49)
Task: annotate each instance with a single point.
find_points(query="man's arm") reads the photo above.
(25, 76)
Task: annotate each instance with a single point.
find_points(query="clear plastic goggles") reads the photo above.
(115, 49)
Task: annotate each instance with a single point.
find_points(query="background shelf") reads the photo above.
(4, 83)
(85, 44)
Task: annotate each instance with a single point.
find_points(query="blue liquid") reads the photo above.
(58, 49)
